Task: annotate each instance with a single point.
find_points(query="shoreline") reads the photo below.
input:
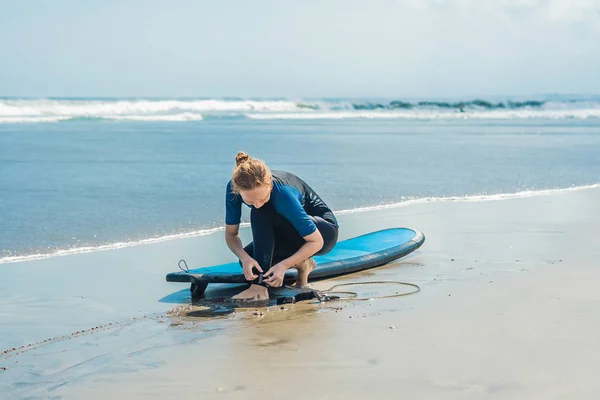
(208, 231)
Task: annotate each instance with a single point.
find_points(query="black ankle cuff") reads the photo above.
(259, 281)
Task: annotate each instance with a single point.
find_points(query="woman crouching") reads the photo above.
(289, 222)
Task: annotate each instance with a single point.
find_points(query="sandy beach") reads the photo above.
(468, 130)
(508, 309)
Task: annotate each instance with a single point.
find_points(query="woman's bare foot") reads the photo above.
(253, 293)
(304, 269)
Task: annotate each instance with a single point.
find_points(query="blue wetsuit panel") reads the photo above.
(291, 197)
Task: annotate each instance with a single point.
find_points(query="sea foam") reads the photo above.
(57, 110)
(203, 232)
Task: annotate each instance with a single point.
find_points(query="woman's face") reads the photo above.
(257, 197)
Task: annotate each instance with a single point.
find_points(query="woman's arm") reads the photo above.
(314, 243)
(232, 238)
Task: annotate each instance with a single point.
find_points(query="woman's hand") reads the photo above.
(275, 275)
(248, 264)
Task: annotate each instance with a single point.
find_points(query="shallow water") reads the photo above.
(78, 184)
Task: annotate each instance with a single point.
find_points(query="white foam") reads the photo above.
(432, 115)
(101, 108)
(175, 117)
(332, 115)
(112, 246)
(408, 202)
(17, 120)
(474, 198)
(155, 118)
(50, 110)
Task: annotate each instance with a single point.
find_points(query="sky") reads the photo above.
(299, 49)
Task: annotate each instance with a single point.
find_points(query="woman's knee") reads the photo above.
(329, 232)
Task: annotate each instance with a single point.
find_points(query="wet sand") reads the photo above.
(508, 309)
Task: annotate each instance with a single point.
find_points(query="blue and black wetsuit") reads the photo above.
(280, 225)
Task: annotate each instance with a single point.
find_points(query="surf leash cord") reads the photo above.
(331, 295)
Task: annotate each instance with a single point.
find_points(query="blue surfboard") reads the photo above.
(352, 255)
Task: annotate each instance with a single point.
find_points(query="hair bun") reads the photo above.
(241, 158)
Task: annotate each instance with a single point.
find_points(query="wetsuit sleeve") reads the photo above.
(233, 207)
(289, 205)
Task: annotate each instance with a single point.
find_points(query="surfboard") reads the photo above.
(348, 256)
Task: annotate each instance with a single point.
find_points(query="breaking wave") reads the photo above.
(61, 110)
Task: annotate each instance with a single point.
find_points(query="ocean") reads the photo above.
(79, 175)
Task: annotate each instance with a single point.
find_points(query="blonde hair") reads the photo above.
(249, 173)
